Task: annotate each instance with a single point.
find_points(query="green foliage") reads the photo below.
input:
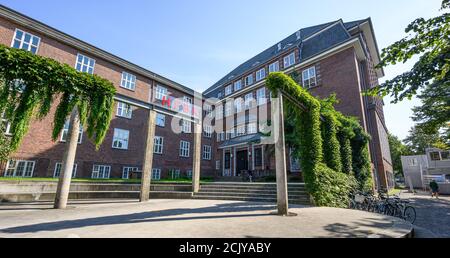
(398, 149)
(327, 186)
(430, 76)
(4, 144)
(362, 168)
(419, 140)
(30, 84)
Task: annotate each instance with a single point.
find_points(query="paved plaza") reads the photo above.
(190, 219)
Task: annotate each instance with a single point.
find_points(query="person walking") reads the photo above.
(434, 189)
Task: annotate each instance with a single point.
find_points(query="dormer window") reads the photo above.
(228, 90)
(238, 85)
(289, 60)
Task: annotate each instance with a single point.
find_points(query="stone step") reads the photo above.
(252, 191)
(238, 194)
(251, 184)
(247, 187)
(249, 199)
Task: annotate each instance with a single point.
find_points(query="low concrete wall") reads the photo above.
(25, 191)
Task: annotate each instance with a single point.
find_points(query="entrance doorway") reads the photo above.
(241, 162)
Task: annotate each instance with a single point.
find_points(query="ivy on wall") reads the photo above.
(31, 84)
(329, 145)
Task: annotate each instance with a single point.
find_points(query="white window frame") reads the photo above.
(97, 169)
(175, 174)
(309, 77)
(413, 162)
(217, 164)
(207, 152)
(58, 170)
(156, 174)
(208, 110)
(238, 105)
(249, 82)
(229, 109)
(249, 98)
(26, 169)
(237, 85)
(186, 126)
(160, 92)
(228, 90)
(261, 74)
(158, 147)
(189, 173)
(185, 149)
(7, 123)
(289, 60)
(22, 42)
(160, 120)
(252, 128)
(208, 129)
(85, 65)
(65, 132)
(261, 96)
(128, 81)
(124, 110)
(241, 130)
(121, 139)
(219, 112)
(274, 67)
(126, 171)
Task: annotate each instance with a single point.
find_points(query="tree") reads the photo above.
(4, 144)
(430, 40)
(418, 141)
(398, 149)
(31, 84)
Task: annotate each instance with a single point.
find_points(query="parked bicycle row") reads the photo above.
(384, 204)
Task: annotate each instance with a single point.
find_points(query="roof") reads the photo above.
(311, 41)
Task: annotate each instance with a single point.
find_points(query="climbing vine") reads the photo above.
(329, 145)
(31, 84)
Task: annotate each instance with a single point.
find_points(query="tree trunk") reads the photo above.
(62, 192)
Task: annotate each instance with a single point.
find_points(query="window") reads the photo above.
(20, 168)
(184, 149)
(238, 105)
(128, 81)
(309, 77)
(258, 157)
(249, 101)
(240, 130)
(124, 110)
(261, 96)
(274, 67)
(186, 126)
(249, 80)
(413, 162)
(221, 137)
(174, 173)
(189, 173)
(127, 171)
(228, 109)
(252, 128)
(101, 172)
(6, 125)
(120, 139)
(207, 110)
(26, 41)
(220, 95)
(289, 60)
(206, 152)
(65, 132)
(435, 156)
(219, 112)
(261, 74)
(208, 131)
(238, 85)
(187, 100)
(161, 93)
(160, 120)
(158, 145)
(156, 174)
(217, 164)
(445, 155)
(58, 169)
(228, 90)
(85, 64)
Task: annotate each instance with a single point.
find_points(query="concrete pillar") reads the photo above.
(62, 192)
(148, 158)
(197, 156)
(280, 158)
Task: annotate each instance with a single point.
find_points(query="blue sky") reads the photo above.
(197, 42)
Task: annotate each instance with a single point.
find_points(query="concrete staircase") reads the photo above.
(256, 192)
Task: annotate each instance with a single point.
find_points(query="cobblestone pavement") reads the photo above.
(433, 215)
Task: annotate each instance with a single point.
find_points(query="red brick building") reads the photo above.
(336, 57)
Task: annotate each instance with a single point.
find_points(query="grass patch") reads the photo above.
(394, 191)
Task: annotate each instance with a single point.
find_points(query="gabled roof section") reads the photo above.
(312, 41)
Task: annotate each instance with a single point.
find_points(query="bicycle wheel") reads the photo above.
(410, 214)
